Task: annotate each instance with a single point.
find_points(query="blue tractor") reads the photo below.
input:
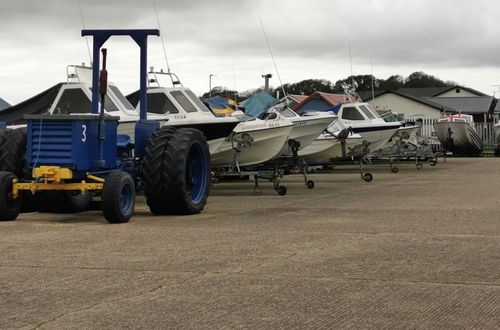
(84, 153)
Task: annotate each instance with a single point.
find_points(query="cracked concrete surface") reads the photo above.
(417, 249)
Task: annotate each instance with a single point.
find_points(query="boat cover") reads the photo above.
(37, 104)
(222, 106)
(258, 103)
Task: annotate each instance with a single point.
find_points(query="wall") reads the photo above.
(410, 108)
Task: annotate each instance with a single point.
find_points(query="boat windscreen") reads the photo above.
(196, 101)
(109, 105)
(183, 101)
(367, 112)
(73, 100)
(121, 97)
(352, 113)
(159, 103)
(285, 111)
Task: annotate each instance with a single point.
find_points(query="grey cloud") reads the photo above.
(202, 35)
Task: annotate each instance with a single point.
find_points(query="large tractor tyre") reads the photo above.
(9, 206)
(13, 153)
(176, 171)
(118, 197)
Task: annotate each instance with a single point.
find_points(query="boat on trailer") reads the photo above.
(458, 134)
(367, 132)
(305, 129)
(250, 141)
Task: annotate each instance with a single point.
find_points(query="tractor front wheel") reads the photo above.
(118, 197)
(9, 206)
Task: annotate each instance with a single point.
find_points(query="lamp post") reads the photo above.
(210, 84)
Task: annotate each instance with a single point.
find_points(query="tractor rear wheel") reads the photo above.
(176, 171)
(118, 197)
(9, 206)
(13, 152)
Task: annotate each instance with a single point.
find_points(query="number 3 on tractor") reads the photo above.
(84, 133)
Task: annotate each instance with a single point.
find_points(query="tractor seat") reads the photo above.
(123, 140)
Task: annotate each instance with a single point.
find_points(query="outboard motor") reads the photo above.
(342, 136)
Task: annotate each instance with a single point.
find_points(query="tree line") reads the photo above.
(364, 83)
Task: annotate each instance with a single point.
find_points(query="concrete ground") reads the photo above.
(417, 249)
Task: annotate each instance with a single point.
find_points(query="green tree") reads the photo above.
(392, 83)
(422, 79)
(306, 87)
(363, 82)
(221, 91)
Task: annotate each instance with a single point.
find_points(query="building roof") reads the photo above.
(3, 104)
(422, 100)
(298, 98)
(367, 95)
(436, 91)
(469, 105)
(329, 98)
(497, 106)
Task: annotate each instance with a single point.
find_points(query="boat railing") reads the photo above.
(155, 81)
(72, 75)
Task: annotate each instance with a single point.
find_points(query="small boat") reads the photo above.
(305, 129)
(368, 132)
(458, 135)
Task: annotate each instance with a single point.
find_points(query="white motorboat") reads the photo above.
(305, 128)
(254, 141)
(368, 133)
(250, 141)
(458, 135)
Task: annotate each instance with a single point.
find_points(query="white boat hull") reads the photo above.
(404, 133)
(377, 137)
(266, 145)
(329, 148)
(305, 131)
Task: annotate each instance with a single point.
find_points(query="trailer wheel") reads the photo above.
(281, 190)
(310, 184)
(176, 171)
(13, 152)
(118, 197)
(367, 177)
(9, 206)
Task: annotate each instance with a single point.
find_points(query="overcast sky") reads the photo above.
(453, 40)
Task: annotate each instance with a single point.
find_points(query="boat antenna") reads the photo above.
(161, 36)
(272, 55)
(350, 61)
(373, 81)
(83, 27)
(234, 85)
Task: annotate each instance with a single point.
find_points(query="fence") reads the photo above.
(485, 130)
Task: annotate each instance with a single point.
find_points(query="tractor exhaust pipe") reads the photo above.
(103, 90)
